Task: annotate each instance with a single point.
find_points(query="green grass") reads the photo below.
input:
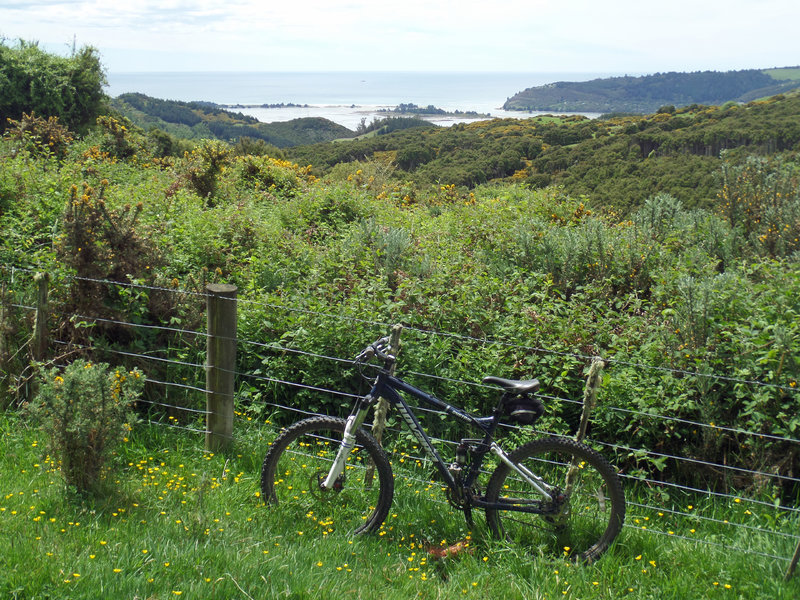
(176, 522)
(784, 74)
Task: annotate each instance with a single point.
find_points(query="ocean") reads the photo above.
(346, 98)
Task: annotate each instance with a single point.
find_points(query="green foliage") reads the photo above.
(616, 162)
(676, 281)
(84, 410)
(256, 147)
(204, 166)
(33, 81)
(269, 174)
(761, 201)
(98, 243)
(116, 142)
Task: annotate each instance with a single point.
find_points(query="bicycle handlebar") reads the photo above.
(379, 348)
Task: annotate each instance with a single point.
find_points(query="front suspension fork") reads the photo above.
(352, 424)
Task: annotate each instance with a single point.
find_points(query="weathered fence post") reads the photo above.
(382, 408)
(220, 365)
(590, 395)
(793, 563)
(589, 401)
(5, 376)
(39, 341)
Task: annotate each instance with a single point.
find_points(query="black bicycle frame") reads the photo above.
(387, 386)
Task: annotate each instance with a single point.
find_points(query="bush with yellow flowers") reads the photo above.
(85, 411)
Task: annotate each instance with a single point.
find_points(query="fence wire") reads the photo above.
(639, 512)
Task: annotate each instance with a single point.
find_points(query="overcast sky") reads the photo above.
(621, 36)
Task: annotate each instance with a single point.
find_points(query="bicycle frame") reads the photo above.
(389, 387)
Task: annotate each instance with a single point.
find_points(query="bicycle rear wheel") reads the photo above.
(298, 462)
(582, 523)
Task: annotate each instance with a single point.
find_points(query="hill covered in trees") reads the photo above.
(616, 161)
(650, 92)
(199, 120)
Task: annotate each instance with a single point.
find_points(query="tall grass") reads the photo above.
(174, 521)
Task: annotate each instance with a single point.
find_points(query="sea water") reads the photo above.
(347, 98)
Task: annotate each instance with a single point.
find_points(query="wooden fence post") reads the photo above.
(382, 408)
(589, 401)
(590, 395)
(5, 376)
(792, 563)
(220, 365)
(39, 341)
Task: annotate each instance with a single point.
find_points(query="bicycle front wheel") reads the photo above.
(298, 462)
(588, 507)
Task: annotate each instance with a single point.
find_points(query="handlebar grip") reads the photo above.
(376, 348)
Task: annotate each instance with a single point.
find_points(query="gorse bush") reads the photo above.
(760, 198)
(204, 166)
(39, 136)
(85, 411)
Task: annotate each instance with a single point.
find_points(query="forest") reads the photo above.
(615, 161)
(645, 94)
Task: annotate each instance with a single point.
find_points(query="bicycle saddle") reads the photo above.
(514, 386)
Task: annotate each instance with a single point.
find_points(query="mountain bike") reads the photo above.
(549, 494)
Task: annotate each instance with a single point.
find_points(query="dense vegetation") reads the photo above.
(616, 161)
(693, 286)
(647, 93)
(693, 299)
(664, 285)
(34, 81)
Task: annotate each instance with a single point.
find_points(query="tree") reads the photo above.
(34, 81)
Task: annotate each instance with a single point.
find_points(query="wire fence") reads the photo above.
(759, 516)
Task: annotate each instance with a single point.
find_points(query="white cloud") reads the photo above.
(535, 35)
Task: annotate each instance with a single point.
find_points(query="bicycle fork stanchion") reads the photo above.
(354, 421)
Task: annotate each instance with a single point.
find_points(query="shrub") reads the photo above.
(760, 198)
(272, 175)
(205, 163)
(33, 80)
(39, 135)
(84, 411)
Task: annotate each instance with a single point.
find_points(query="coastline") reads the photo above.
(342, 97)
(350, 116)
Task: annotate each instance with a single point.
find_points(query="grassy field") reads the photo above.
(785, 73)
(176, 522)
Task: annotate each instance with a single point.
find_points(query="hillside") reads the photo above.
(198, 120)
(650, 92)
(616, 162)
